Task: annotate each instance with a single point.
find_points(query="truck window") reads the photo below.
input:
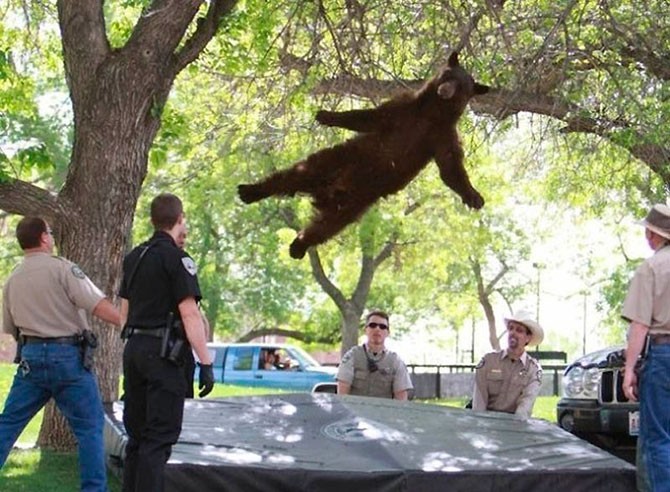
(240, 358)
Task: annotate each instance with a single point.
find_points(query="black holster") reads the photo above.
(87, 345)
(173, 341)
(20, 341)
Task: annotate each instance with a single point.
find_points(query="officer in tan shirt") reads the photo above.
(510, 380)
(647, 309)
(45, 301)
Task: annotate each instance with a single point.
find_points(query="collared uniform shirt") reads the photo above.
(507, 385)
(166, 275)
(48, 296)
(391, 376)
(648, 298)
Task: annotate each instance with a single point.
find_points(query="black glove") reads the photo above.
(205, 380)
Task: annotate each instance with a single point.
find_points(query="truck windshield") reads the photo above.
(303, 357)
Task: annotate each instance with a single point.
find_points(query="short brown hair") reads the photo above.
(165, 211)
(381, 314)
(29, 232)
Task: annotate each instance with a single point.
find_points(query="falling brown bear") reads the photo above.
(395, 141)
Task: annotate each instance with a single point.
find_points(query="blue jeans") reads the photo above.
(56, 371)
(655, 417)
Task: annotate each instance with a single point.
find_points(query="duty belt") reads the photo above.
(150, 332)
(660, 339)
(73, 340)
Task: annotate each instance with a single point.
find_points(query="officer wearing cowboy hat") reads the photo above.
(647, 309)
(510, 380)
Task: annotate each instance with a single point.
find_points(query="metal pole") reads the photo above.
(584, 296)
(538, 266)
(472, 345)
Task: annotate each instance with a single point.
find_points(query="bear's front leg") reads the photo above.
(472, 198)
(449, 159)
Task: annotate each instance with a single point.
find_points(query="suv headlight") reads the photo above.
(581, 383)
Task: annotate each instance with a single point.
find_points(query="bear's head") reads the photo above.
(455, 85)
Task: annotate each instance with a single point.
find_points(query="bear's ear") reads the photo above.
(453, 59)
(447, 89)
(481, 89)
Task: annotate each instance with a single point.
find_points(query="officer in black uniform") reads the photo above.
(159, 295)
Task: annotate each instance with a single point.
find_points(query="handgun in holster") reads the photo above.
(20, 341)
(125, 332)
(639, 364)
(88, 344)
(172, 343)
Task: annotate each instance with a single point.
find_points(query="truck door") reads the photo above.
(239, 367)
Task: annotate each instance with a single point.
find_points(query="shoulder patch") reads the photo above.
(77, 272)
(348, 355)
(189, 265)
(481, 363)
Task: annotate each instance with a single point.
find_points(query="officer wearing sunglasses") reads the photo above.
(371, 369)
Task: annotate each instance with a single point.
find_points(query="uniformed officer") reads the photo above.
(647, 310)
(45, 302)
(189, 359)
(510, 380)
(159, 290)
(371, 369)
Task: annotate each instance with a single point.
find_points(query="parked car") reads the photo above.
(267, 364)
(593, 405)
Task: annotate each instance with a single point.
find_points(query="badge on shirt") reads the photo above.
(189, 265)
(78, 272)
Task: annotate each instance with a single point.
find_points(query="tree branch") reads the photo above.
(85, 43)
(161, 28)
(362, 289)
(19, 197)
(295, 334)
(384, 254)
(207, 27)
(320, 276)
(502, 103)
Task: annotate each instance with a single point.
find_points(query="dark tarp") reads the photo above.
(323, 442)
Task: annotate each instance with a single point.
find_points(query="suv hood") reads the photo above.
(607, 357)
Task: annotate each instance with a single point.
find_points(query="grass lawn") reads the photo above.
(30, 469)
(545, 406)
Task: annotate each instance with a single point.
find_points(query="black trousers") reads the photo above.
(152, 414)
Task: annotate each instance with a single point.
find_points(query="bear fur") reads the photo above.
(395, 141)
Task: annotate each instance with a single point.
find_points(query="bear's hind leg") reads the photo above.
(323, 227)
(305, 176)
(250, 193)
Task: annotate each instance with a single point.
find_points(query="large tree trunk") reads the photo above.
(117, 97)
(351, 322)
(109, 163)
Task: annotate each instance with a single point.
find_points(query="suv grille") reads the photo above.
(610, 387)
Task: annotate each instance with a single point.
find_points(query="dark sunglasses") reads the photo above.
(381, 326)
